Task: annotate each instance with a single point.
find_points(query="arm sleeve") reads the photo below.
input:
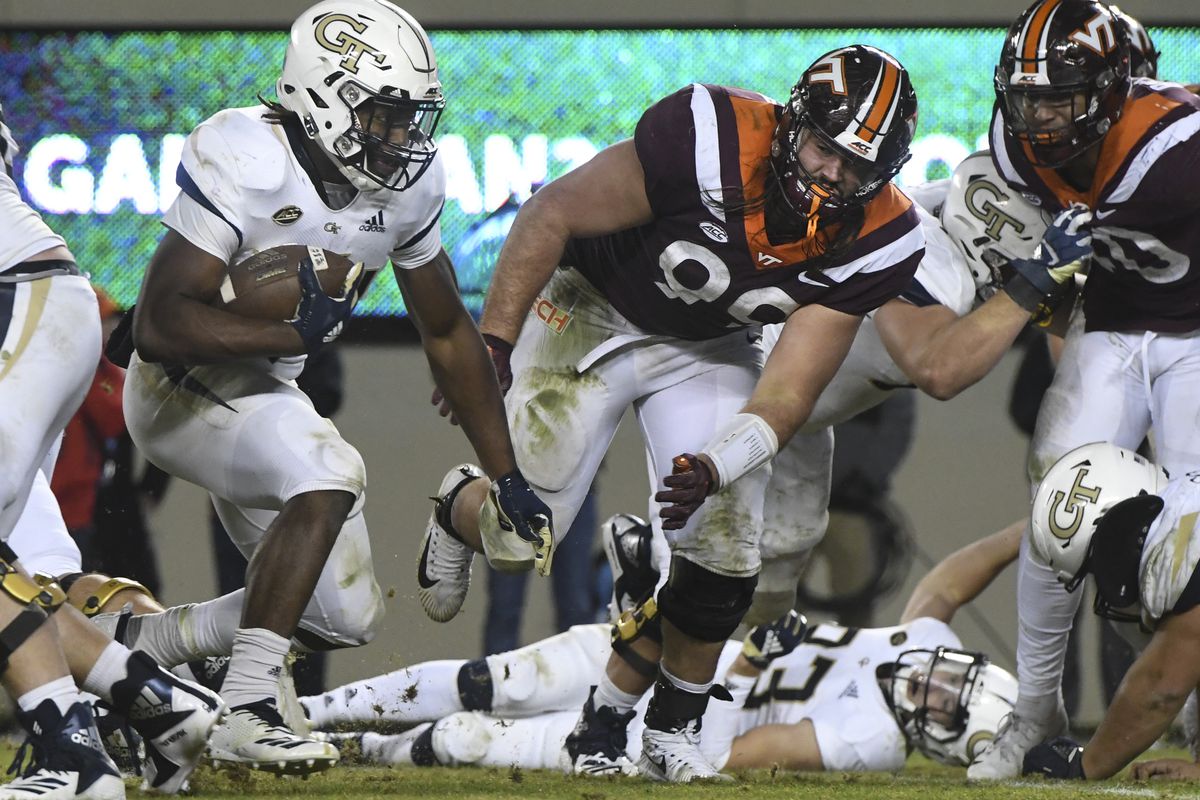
(207, 210)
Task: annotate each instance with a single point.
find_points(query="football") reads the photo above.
(267, 285)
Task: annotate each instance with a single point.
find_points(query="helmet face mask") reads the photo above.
(949, 702)
(855, 109)
(1063, 78)
(362, 77)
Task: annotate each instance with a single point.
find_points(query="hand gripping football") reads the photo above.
(267, 285)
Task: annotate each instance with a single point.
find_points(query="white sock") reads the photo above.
(254, 670)
(1045, 615)
(680, 683)
(392, 749)
(62, 691)
(607, 694)
(189, 632)
(420, 693)
(109, 668)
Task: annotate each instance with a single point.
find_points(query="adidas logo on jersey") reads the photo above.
(851, 690)
(374, 224)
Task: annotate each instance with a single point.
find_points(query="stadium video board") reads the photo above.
(101, 116)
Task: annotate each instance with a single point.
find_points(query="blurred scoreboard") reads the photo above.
(101, 116)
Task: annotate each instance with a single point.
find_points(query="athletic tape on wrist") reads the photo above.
(741, 445)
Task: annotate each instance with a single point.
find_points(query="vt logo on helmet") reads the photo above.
(1063, 78)
(362, 77)
(844, 132)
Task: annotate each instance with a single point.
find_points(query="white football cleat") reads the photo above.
(674, 756)
(1004, 756)
(254, 735)
(444, 566)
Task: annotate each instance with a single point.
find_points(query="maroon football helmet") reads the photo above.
(860, 103)
(1063, 77)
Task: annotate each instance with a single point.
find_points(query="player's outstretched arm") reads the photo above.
(941, 353)
(605, 195)
(811, 347)
(174, 321)
(961, 576)
(459, 360)
(1149, 698)
(792, 747)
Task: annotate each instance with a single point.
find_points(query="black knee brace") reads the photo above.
(702, 604)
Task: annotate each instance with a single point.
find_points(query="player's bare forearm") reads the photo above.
(529, 257)
(960, 577)
(792, 747)
(811, 347)
(459, 360)
(943, 354)
(1149, 698)
(605, 195)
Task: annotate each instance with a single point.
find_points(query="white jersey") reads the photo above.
(831, 680)
(25, 234)
(868, 375)
(243, 190)
(1172, 551)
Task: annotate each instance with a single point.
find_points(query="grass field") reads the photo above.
(922, 780)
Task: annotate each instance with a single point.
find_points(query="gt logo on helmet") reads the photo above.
(1075, 500)
(344, 43)
(987, 211)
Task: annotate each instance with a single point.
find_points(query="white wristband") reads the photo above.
(741, 445)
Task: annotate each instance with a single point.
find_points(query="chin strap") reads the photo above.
(819, 196)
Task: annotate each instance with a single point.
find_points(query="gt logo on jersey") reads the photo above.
(1072, 504)
(1097, 35)
(979, 196)
(344, 43)
(556, 319)
(834, 72)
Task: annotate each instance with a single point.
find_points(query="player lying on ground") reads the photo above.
(1105, 511)
(826, 698)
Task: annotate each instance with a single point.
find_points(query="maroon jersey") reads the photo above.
(697, 271)
(1146, 229)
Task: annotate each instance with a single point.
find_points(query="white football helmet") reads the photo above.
(949, 703)
(362, 76)
(990, 222)
(1077, 492)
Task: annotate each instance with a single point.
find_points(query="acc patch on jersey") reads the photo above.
(287, 215)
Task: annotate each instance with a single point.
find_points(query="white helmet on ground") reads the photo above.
(989, 221)
(1079, 490)
(362, 76)
(949, 703)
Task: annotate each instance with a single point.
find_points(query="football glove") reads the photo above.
(1060, 758)
(319, 317)
(501, 353)
(689, 483)
(1065, 244)
(523, 512)
(769, 641)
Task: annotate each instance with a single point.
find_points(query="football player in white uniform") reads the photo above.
(1074, 124)
(49, 347)
(828, 697)
(1105, 511)
(344, 160)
